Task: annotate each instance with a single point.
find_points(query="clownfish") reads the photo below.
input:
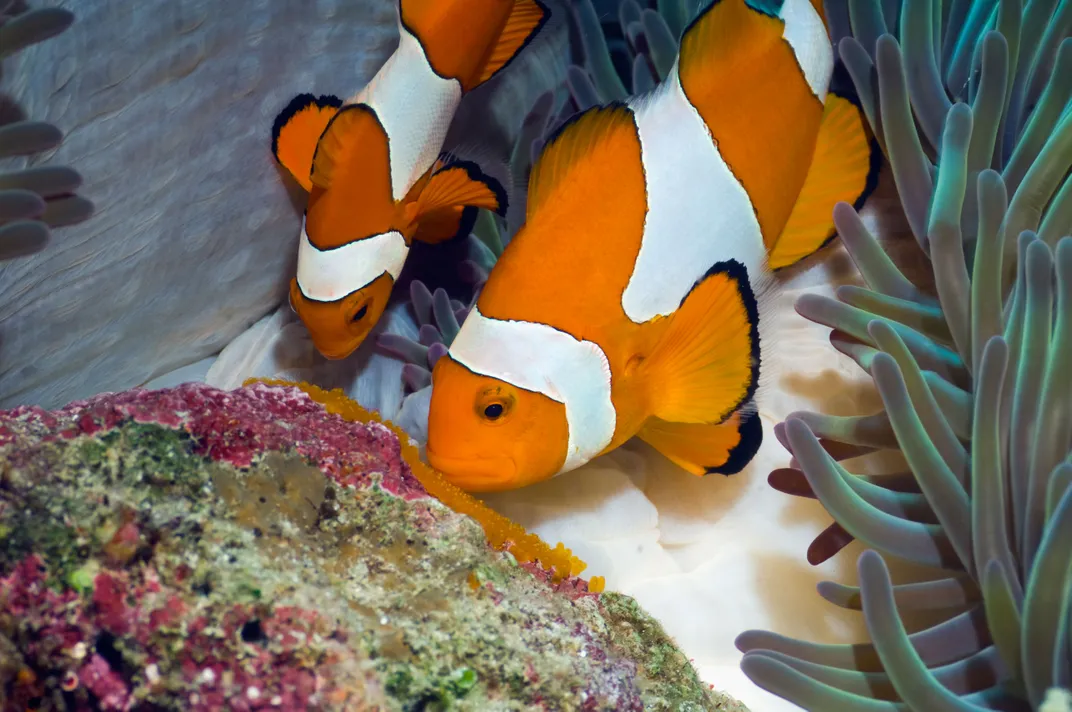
(373, 166)
(628, 303)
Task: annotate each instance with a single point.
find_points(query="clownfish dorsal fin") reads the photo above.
(571, 143)
(296, 131)
(449, 197)
(704, 449)
(727, 36)
(844, 168)
(706, 365)
(526, 19)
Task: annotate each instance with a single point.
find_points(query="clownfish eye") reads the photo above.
(493, 405)
(360, 314)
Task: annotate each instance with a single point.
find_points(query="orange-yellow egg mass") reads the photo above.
(500, 531)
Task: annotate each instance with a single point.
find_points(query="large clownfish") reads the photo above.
(627, 302)
(373, 165)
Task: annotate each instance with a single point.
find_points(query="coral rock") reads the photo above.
(200, 549)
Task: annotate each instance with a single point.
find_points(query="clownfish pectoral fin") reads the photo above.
(353, 150)
(706, 364)
(296, 131)
(844, 168)
(448, 200)
(526, 20)
(445, 224)
(703, 449)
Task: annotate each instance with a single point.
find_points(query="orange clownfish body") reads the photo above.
(629, 303)
(373, 165)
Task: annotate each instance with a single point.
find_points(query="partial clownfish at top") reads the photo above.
(629, 303)
(373, 165)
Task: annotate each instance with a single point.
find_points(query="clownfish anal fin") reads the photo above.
(526, 20)
(706, 364)
(448, 199)
(296, 131)
(703, 449)
(844, 168)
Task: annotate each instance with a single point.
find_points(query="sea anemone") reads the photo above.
(969, 102)
(32, 199)
(612, 58)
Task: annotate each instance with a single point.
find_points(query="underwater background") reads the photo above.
(915, 474)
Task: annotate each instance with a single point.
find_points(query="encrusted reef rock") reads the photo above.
(198, 549)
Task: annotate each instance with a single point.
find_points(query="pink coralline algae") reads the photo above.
(195, 549)
(233, 427)
(238, 658)
(572, 587)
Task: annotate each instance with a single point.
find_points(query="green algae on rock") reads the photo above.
(198, 549)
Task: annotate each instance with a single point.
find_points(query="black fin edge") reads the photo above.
(295, 106)
(841, 85)
(751, 432)
(475, 173)
(739, 274)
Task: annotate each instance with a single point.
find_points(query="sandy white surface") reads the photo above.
(709, 557)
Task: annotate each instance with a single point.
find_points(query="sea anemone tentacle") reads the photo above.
(969, 103)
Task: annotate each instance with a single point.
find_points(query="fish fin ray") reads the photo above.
(490, 168)
(702, 448)
(297, 130)
(844, 168)
(448, 197)
(571, 141)
(706, 364)
(525, 22)
(459, 183)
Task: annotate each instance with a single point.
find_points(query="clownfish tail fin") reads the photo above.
(297, 130)
(526, 21)
(845, 168)
(472, 40)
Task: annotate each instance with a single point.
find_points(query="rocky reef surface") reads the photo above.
(263, 548)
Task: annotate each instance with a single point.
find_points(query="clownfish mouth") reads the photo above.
(475, 474)
(336, 353)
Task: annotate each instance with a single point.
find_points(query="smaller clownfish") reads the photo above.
(373, 166)
(630, 301)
